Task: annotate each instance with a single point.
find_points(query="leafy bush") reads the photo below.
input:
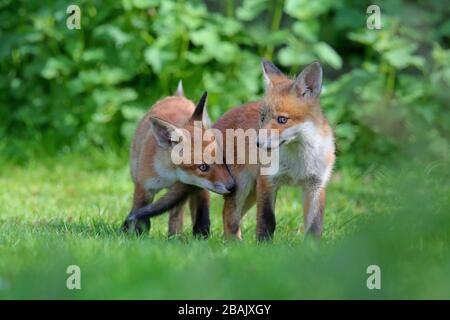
(64, 89)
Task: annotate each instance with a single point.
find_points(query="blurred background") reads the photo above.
(72, 90)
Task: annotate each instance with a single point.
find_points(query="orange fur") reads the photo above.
(311, 144)
(152, 168)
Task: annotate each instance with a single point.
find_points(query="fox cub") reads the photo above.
(152, 168)
(305, 144)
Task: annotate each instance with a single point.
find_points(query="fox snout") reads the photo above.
(222, 188)
(231, 186)
(225, 186)
(270, 142)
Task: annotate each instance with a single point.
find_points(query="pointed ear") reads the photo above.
(164, 132)
(179, 92)
(309, 82)
(271, 73)
(200, 113)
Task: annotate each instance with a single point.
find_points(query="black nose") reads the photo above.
(257, 143)
(231, 187)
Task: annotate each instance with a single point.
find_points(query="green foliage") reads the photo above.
(63, 90)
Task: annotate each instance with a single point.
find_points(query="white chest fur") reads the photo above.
(303, 157)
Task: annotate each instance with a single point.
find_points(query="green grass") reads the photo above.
(68, 210)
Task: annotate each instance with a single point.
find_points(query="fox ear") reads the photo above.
(271, 73)
(164, 132)
(200, 113)
(179, 92)
(309, 82)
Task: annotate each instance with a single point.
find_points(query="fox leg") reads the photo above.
(176, 220)
(249, 202)
(236, 205)
(231, 216)
(199, 206)
(141, 198)
(176, 195)
(313, 210)
(265, 211)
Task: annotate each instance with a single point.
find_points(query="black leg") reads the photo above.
(266, 194)
(139, 219)
(136, 226)
(199, 204)
(267, 225)
(141, 198)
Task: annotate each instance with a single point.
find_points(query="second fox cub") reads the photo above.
(306, 151)
(152, 168)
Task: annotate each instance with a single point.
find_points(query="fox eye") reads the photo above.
(282, 119)
(203, 167)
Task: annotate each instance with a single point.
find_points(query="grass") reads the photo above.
(67, 211)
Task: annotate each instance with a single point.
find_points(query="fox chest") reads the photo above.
(299, 164)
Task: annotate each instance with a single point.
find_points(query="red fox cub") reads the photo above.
(305, 144)
(152, 168)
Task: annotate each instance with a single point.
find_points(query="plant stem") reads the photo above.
(277, 15)
(276, 23)
(230, 8)
(390, 74)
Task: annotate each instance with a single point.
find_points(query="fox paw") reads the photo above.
(136, 226)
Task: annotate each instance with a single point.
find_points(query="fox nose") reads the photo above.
(231, 187)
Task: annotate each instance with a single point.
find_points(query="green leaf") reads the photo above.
(145, 4)
(402, 57)
(224, 52)
(307, 9)
(156, 58)
(132, 113)
(328, 54)
(308, 31)
(250, 9)
(294, 56)
(113, 32)
(204, 36)
(56, 67)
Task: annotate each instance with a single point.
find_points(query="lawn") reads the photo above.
(68, 210)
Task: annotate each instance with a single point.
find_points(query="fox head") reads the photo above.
(198, 166)
(290, 106)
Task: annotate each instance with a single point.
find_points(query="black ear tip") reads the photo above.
(201, 105)
(269, 67)
(203, 99)
(266, 63)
